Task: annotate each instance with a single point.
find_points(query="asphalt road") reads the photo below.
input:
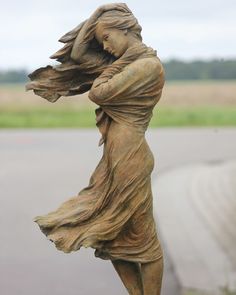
(39, 169)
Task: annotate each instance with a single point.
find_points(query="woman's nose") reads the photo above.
(105, 47)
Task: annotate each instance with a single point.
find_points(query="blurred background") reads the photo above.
(48, 151)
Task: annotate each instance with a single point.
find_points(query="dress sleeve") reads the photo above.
(121, 85)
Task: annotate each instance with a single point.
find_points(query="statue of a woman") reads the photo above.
(114, 213)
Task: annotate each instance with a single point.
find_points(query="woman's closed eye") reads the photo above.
(105, 37)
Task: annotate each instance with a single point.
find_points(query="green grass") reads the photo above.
(195, 116)
(41, 118)
(73, 118)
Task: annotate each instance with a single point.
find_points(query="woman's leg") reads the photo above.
(152, 277)
(130, 275)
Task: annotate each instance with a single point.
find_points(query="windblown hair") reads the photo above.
(71, 78)
(111, 19)
(119, 20)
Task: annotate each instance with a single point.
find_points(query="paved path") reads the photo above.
(196, 209)
(40, 169)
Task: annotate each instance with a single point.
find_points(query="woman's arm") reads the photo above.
(81, 51)
(109, 88)
(133, 79)
(80, 47)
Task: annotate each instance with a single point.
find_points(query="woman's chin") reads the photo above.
(117, 54)
(113, 53)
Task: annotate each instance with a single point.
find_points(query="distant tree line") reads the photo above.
(200, 70)
(174, 70)
(13, 76)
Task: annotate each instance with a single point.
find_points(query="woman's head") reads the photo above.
(113, 40)
(115, 30)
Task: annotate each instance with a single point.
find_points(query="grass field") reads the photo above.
(192, 103)
(163, 116)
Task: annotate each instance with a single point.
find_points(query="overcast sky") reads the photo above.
(183, 29)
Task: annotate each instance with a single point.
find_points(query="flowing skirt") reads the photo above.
(114, 213)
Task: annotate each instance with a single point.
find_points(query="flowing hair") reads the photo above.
(71, 78)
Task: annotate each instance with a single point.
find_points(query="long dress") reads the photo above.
(114, 213)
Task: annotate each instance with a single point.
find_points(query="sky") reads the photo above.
(183, 29)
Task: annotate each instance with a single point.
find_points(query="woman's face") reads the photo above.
(113, 40)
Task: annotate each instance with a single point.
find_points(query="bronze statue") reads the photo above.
(114, 213)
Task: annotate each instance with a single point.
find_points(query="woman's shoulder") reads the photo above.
(147, 65)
